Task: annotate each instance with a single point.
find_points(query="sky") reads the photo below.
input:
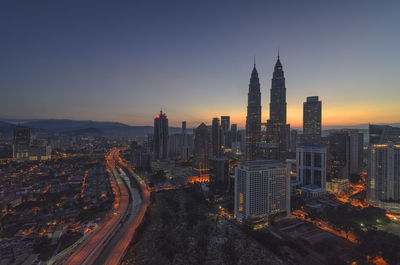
(124, 60)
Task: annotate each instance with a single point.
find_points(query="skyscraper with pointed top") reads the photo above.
(253, 119)
(160, 144)
(277, 129)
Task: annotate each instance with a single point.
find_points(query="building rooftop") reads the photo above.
(262, 164)
(310, 145)
(312, 187)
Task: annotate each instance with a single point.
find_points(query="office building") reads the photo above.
(262, 189)
(293, 141)
(234, 133)
(311, 168)
(21, 142)
(160, 141)
(202, 150)
(345, 156)
(225, 126)
(219, 173)
(216, 138)
(253, 118)
(186, 147)
(312, 120)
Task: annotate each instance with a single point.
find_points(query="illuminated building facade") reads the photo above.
(383, 182)
(253, 118)
(312, 120)
(262, 189)
(160, 141)
(277, 130)
(337, 185)
(21, 142)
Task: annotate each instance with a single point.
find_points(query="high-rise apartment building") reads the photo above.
(383, 182)
(262, 189)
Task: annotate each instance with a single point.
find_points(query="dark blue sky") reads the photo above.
(103, 60)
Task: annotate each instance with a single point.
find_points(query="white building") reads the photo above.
(383, 183)
(311, 168)
(262, 188)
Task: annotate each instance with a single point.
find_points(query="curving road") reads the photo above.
(90, 249)
(120, 248)
(109, 243)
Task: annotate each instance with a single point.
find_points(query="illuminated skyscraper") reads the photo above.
(253, 119)
(277, 129)
(312, 120)
(160, 143)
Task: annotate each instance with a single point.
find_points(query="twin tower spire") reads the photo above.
(278, 63)
(276, 125)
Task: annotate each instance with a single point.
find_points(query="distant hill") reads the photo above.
(78, 127)
(6, 129)
(105, 128)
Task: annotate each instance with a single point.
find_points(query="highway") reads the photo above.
(134, 208)
(110, 242)
(90, 249)
(120, 248)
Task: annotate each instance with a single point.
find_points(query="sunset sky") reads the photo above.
(104, 61)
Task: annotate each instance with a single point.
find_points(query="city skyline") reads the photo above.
(345, 53)
(199, 132)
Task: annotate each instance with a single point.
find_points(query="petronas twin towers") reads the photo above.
(273, 145)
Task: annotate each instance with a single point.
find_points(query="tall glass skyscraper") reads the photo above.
(277, 129)
(160, 144)
(253, 119)
(312, 120)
